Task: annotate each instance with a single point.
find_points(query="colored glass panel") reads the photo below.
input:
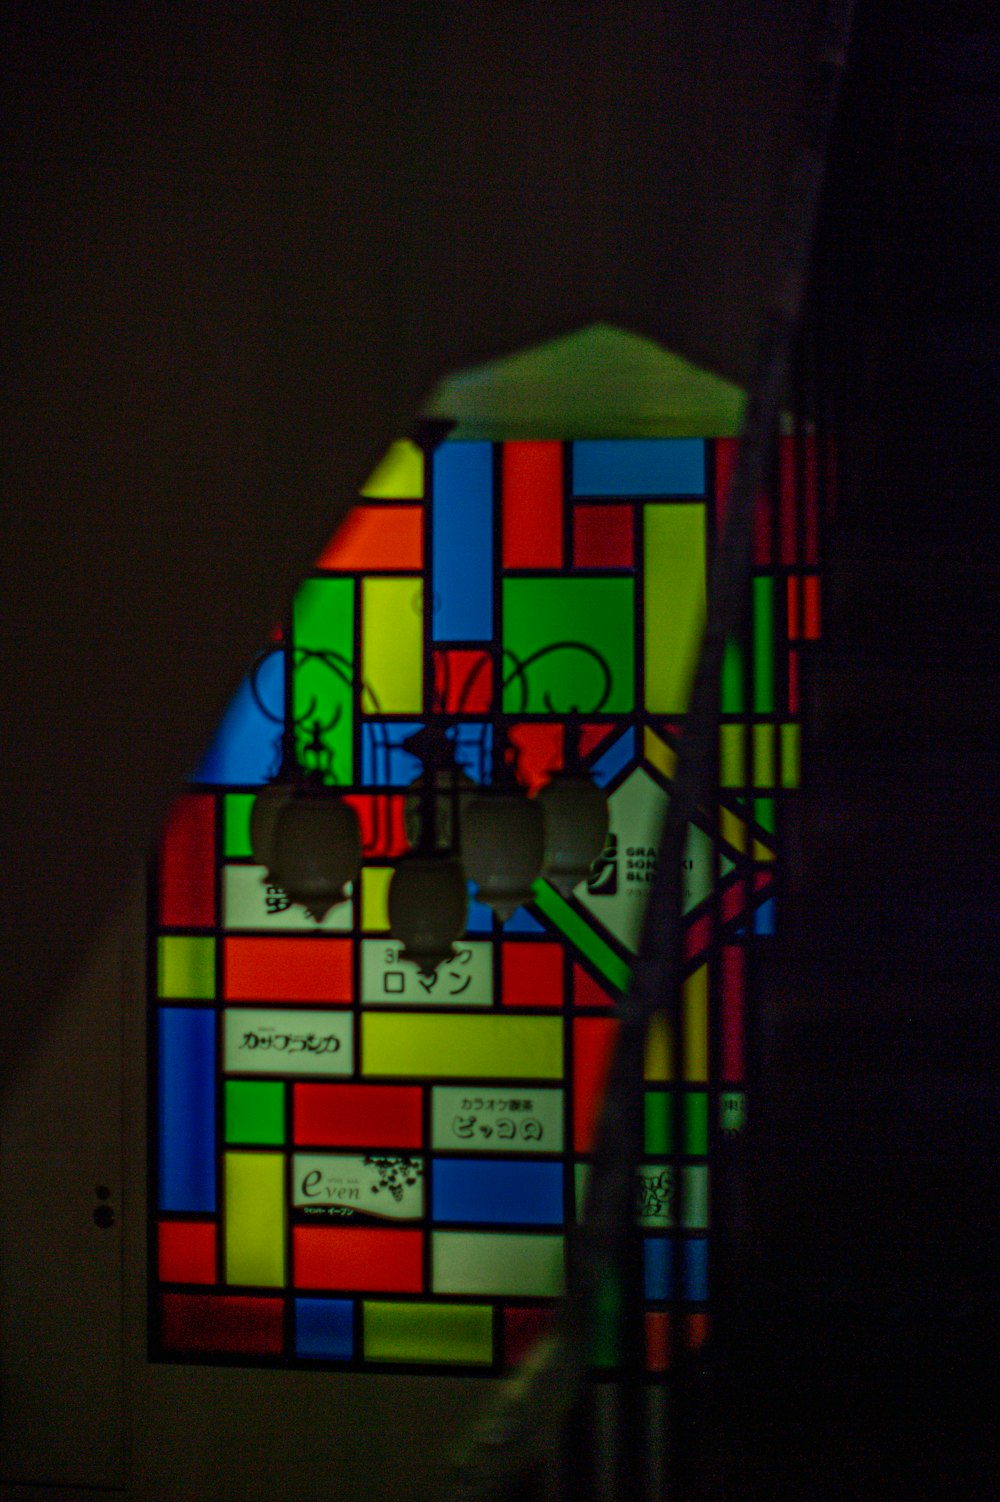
(375, 898)
(398, 476)
(569, 645)
(288, 969)
(236, 823)
(377, 537)
(442, 1333)
(322, 694)
(732, 756)
(593, 1042)
(392, 648)
(765, 770)
(216, 1324)
(532, 505)
(476, 1119)
(811, 607)
(658, 753)
(732, 678)
(674, 596)
(658, 1064)
(763, 645)
(498, 1263)
(579, 933)
(463, 542)
(385, 761)
(538, 753)
(694, 1010)
(497, 1193)
(382, 1186)
(523, 1328)
(186, 1251)
(614, 758)
(587, 992)
(187, 854)
(641, 467)
(255, 1112)
(791, 756)
(603, 537)
(358, 1259)
(696, 1123)
(486, 1048)
(658, 1122)
(381, 816)
(358, 1115)
(324, 1328)
(247, 744)
(255, 1219)
(465, 979)
(186, 968)
(186, 1109)
(283, 1041)
(532, 975)
(463, 680)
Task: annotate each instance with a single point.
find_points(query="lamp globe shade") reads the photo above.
(263, 815)
(503, 845)
(575, 810)
(428, 902)
(317, 850)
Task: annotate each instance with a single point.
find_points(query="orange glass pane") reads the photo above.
(186, 1251)
(593, 1041)
(359, 1115)
(532, 974)
(288, 969)
(376, 538)
(657, 1342)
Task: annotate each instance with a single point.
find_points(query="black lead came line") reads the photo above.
(523, 1426)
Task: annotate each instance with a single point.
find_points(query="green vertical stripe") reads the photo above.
(674, 578)
(763, 645)
(323, 621)
(577, 931)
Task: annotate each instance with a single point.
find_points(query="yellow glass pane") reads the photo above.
(392, 663)
(674, 602)
(658, 753)
(255, 1219)
(791, 756)
(482, 1047)
(186, 967)
(732, 756)
(428, 1332)
(765, 771)
(375, 898)
(694, 1002)
(398, 476)
(732, 829)
(659, 1054)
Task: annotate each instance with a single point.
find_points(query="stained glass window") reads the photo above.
(358, 1165)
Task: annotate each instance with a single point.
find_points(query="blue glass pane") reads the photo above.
(497, 1193)
(473, 749)
(764, 919)
(463, 542)
(186, 1105)
(645, 466)
(247, 744)
(324, 1327)
(658, 1257)
(615, 759)
(384, 763)
(696, 1269)
(521, 922)
(480, 920)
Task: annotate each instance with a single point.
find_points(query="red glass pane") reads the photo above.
(212, 1322)
(810, 608)
(358, 1115)
(587, 992)
(793, 683)
(593, 1041)
(532, 974)
(591, 737)
(603, 537)
(732, 1013)
(187, 864)
(539, 753)
(725, 463)
(793, 607)
(522, 1330)
(463, 681)
(186, 1251)
(377, 538)
(381, 818)
(352, 1258)
(657, 1342)
(532, 505)
(288, 969)
(697, 936)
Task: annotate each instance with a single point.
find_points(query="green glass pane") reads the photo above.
(763, 645)
(658, 1121)
(595, 616)
(255, 1111)
(578, 932)
(696, 1123)
(322, 692)
(236, 823)
(732, 1111)
(186, 968)
(606, 1320)
(428, 1332)
(763, 812)
(473, 1262)
(732, 678)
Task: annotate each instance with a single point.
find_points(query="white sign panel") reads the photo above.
(466, 980)
(389, 1186)
(477, 1119)
(249, 900)
(278, 1040)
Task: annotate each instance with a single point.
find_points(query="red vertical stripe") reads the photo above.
(532, 505)
(725, 463)
(810, 600)
(793, 608)
(732, 1013)
(187, 864)
(787, 498)
(793, 683)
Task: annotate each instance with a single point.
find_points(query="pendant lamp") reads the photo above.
(575, 811)
(316, 850)
(428, 901)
